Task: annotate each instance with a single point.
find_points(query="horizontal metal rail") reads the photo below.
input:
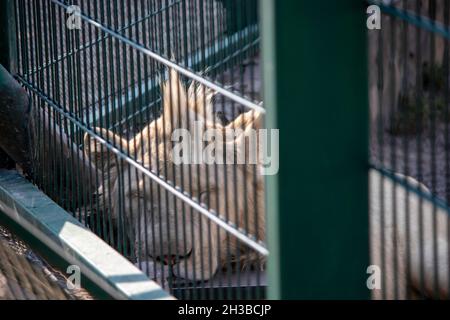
(414, 19)
(186, 72)
(135, 93)
(213, 216)
(403, 181)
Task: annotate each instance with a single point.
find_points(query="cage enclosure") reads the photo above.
(110, 82)
(409, 103)
(131, 100)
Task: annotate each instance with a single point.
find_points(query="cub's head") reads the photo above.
(141, 174)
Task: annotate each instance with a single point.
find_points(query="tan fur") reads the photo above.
(160, 221)
(410, 237)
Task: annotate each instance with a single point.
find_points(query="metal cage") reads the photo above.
(109, 83)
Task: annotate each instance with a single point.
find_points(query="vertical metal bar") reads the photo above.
(393, 149)
(433, 91)
(380, 141)
(406, 148)
(446, 58)
(8, 53)
(419, 119)
(316, 95)
(8, 57)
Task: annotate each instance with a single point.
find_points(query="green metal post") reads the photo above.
(315, 74)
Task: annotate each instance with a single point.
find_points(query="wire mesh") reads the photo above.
(108, 98)
(409, 98)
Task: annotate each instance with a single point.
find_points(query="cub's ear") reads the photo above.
(200, 101)
(97, 152)
(174, 103)
(248, 120)
(247, 145)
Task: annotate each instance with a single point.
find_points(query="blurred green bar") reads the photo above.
(315, 73)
